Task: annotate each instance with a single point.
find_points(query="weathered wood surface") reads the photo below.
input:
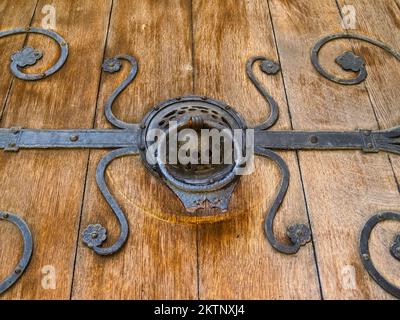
(382, 87)
(200, 47)
(226, 34)
(46, 187)
(159, 260)
(343, 189)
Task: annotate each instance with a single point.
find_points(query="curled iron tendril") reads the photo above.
(112, 65)
(29, 56)
(269, 67)
(348, 60)
(95, 234)
(27, 251)
(299, 234)
(365, 254)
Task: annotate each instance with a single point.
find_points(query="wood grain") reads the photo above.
(159, 260)
(11, 241)
(9, 45)
(46, 187)
(343, 189)
(382, 85)
(200, 47)
(235, 259)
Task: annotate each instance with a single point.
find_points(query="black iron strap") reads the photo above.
(15, 139)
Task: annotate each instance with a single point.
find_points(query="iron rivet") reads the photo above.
(6, 215)
(370, 146)
(142, 126)
(141, 147)
(94, 235)
(204, 98)
(18, 271)
(74, 138)
(314, 139)
(365, 256)
(380, 216)
(178, 98)
(12, 145)
(367, 133)
(211, 181)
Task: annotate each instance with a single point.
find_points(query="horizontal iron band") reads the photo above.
(14, 139)
(294, 140)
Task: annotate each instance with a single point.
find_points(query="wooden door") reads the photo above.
(199, 47)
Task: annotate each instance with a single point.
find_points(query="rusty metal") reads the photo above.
(199, 187)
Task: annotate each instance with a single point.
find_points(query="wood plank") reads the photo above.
(235, 260)
(159, 260)
(11, 20)
(380, 20)
(9, 45)
(46, 187)
(342, 191)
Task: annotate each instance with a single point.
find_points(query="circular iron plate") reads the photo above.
(212, 114)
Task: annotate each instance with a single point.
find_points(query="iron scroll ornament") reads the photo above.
(26, 254)
(365, 254)
(194, 111)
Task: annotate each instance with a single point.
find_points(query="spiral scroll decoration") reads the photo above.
(29, 56)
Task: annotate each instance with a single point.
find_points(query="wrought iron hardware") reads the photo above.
(211, 188)
(394, 250)
(27, 252)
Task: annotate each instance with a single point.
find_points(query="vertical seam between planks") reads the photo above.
(6, 99)
(85, 180)
(8, 93)
(395, 176)
(297, 157)
(194, 91)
